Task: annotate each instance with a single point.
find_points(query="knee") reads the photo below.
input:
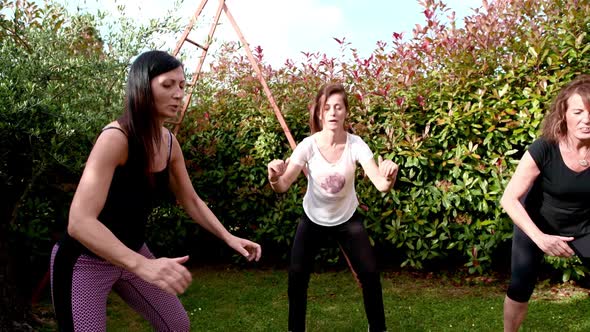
(179, 323)
(298, 276)
(300, 267)
(522, 282)
(171, 318)
(296, 269)
(520, 291)
(370, 280)
(298, 280)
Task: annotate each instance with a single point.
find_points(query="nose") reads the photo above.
(178, 93)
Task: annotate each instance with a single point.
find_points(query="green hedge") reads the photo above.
(455, 105)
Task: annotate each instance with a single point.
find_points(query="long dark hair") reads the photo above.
(315, 122)
(555, 125)
(140, 119)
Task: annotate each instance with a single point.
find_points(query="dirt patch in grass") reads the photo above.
(461, 284)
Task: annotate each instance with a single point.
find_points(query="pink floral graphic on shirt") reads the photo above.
(333, 183)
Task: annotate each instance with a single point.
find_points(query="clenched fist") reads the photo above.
(276, 168)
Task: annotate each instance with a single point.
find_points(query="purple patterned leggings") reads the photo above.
(81, 284)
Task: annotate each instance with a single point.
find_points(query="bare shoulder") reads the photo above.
(526, 169)
(528, 162)
(111, 144)
(115, 124)
(176, 150)
(113, 130)
(174, 140)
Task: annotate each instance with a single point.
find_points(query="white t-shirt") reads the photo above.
(331, 198)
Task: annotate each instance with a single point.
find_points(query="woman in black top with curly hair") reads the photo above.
(549, 194)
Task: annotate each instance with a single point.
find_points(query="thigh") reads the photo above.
(305, 245)
(355, 243)
(526, 259)
(163, 310)
(80, 287)
(526, 256)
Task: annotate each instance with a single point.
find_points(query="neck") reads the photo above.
(573, 143)
(577, 147)
(161, 121)
(333, 137)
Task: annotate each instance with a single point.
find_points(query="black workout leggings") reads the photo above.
(526, 261)
(354, 241)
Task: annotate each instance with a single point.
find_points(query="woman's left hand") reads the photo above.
(388, 168)
(250, 250)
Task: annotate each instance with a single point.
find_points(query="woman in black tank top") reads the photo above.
(548, 195)
(133, 165)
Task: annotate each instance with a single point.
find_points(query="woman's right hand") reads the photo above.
(276, 168)
(554, 245)
(166, 273)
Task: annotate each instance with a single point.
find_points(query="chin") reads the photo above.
(169, 115)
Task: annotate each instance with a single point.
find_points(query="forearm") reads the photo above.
(520, 217)
(278, 184)
(101, 241)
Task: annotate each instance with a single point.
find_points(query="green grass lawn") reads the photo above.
(228, 299)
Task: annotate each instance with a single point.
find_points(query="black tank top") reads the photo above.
(130, 200)
(559, 200)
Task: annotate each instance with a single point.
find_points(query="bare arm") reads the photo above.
(182, 187)
(383, 175)
(282, 174)
(110, 151)
(520, 183)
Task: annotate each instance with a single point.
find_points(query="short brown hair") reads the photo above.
(554, 125)
(315, 123)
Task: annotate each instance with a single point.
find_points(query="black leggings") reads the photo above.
(354, 241)
(526, 261)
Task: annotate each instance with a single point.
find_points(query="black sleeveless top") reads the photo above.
(130, 200)
(559, 200)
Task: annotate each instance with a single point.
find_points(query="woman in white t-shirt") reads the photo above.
(330, 156)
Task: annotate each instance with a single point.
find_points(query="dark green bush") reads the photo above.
(455, 107)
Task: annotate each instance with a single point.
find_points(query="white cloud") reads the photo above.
(282, 28)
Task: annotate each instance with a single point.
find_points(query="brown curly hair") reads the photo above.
(554, 125)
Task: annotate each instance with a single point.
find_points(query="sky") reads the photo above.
(286, 28)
